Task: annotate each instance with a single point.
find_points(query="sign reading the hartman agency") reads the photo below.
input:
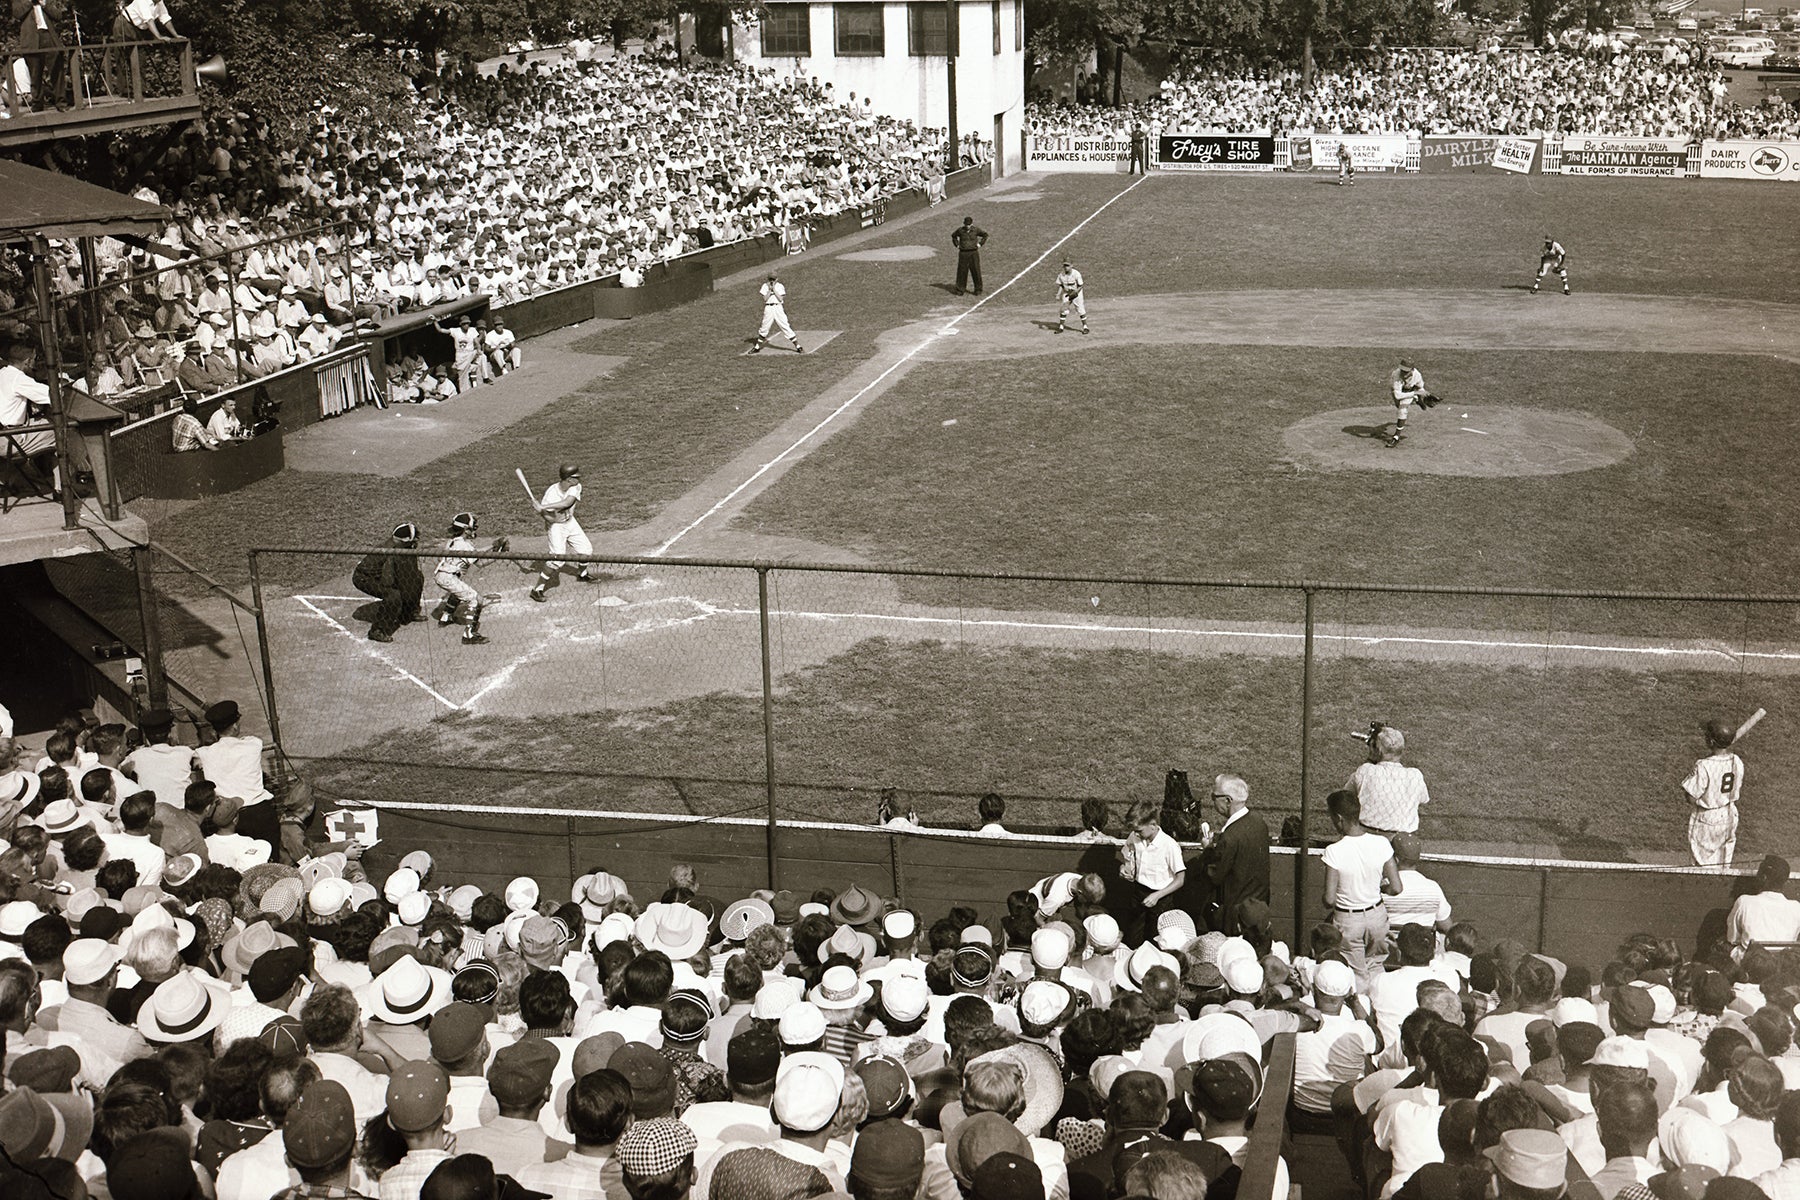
(1368, 151)
(1643, 158)
(1104, 153)
(1215, 152)
(1775, 162)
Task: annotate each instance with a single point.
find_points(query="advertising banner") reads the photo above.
(1215, 152)
(1774, 162)
(1476, 153)
(1101, 153)
(1630, 157)
(1368, 151)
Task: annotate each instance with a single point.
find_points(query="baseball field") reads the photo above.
(1220, 423)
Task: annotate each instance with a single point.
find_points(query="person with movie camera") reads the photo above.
(1391, 792)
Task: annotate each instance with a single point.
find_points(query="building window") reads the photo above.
(1019, 25)
(787, 31)
(926, 26)
(996, 26)
(859, 30)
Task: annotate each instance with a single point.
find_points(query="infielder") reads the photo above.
(1715, 786)
(1408, 387)
(461, 602)
(1552, 258)
(1069, 292)
(564, 531)
(774, 295)
(1346, 166)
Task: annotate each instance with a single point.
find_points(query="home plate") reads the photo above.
(813, 339)
(611, 602)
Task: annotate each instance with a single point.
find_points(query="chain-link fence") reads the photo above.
(1549, 725)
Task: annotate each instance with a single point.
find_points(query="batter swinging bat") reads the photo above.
(530, 495)
(1749, 724)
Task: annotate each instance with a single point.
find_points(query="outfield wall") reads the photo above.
(1575, 911)
(1577, 154)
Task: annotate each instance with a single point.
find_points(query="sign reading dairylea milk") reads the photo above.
(1774, 162)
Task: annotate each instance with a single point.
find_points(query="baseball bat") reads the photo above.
(1749, 724)
(529, 494)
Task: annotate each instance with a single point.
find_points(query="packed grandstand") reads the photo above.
(200, 999)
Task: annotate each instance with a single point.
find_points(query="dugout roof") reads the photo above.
(58, 206)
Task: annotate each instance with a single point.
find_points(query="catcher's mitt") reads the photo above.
(501, 543)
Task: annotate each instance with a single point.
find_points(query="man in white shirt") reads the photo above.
(134, 843)
(159, 765)
(235, 764)
(1534, 994)
(1391, 793)
(1767, 914)
(1396, 991)
(333, 1024)
(1359, 873)
(1338, 1051)
(751, 1059)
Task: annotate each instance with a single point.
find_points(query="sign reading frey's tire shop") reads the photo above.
(1632, 157)
(1215, 152)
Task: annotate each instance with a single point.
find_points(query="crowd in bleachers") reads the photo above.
(504, 185)
(1654, 91)
(200, 999)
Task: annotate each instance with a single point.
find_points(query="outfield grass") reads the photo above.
(1588, 760)
(1099, 462)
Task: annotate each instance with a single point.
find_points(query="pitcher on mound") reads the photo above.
(774, 295)
(565, 533)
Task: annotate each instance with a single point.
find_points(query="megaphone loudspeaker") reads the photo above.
(213, 69)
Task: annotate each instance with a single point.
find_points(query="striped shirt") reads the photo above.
(1420, 901)
(1391, 795)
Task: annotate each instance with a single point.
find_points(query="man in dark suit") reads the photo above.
(1237, 862)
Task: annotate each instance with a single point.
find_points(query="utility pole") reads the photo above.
(953, 153)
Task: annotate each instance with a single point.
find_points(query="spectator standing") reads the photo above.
(1140, 151)
(1391, 793)
(1360, 873)
(160, 765)
(1237, 862)
(1151, 871)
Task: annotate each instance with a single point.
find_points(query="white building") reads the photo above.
(895, 55)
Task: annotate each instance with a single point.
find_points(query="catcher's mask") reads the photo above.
(463, 523)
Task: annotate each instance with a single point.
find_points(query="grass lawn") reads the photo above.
(1585, 759)
(1098, 462)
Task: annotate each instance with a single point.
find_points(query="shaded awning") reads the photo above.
(58, 206)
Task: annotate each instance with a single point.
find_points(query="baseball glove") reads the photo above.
(1429, 401)
(501, 543)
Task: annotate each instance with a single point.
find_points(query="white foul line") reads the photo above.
(1482, 432)
(377, 655)
(835, 413)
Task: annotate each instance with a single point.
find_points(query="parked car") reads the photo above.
(1743, 52)
(1687, 24)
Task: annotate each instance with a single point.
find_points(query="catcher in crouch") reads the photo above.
(461, 602)
(1408, 387)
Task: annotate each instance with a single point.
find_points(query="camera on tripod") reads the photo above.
(1374, 731)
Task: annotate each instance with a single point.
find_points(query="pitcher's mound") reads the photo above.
(1492, 441)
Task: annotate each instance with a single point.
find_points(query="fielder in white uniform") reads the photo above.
(774, 295)
(1069, 290)
(1552, 258)
(564, 531)
(1715, 786)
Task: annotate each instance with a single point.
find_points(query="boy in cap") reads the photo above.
(656, 1160)
(417, 1096)
(519, 1080)
(319, 1137)
(887, 1161)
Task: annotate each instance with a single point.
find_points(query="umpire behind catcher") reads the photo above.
(968, 239)
(393, 579)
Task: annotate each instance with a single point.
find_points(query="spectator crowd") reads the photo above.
(504, 185)
(1653, 91)
(201, 1000)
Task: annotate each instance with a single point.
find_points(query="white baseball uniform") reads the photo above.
(1070, 286)
(1408, 385)
(774, 294)
(1715, 785)
(565, 532)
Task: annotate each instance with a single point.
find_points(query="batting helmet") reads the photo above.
(464, 522)
(1719, 733)
(567, 471)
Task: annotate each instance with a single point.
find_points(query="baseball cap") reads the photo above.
(321, 1125)
(802, 1024)
(520, 1073)
(905, 997)
(888, 1086)
(455, 1031)
(1333, 978)
(651, 1077)
(276, 971)
(594, 1053)
(416, 1095)
(808, 1087)
(888, 1154)
(1633, 1007)
(1007, 1176)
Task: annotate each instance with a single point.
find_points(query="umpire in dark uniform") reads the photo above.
(395, 580)
(968, 239)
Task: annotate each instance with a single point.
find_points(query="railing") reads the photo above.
(129, 71)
